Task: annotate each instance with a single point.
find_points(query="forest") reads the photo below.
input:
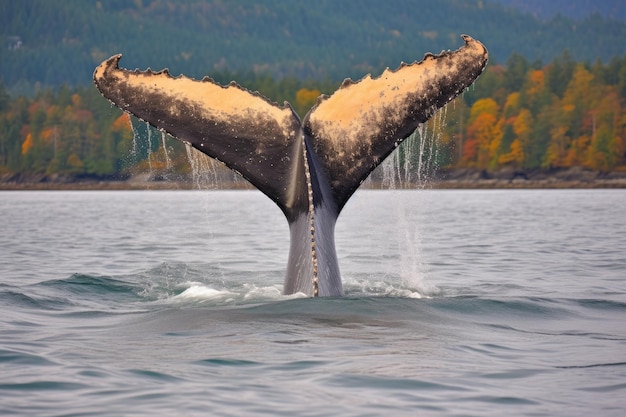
(522, 115)
(47, 43)
(535, 108)
(532, 116)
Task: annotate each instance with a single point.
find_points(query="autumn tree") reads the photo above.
(305, 99)
(484, 133)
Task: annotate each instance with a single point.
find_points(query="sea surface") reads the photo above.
(168, 303)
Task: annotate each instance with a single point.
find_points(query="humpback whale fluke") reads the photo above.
(309, 168)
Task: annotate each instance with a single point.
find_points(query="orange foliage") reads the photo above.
(576, 153)
(47, 133)
(544, 124)
(536, 83)
(523, 124)
(122, 124)
(515, 156)
(480, 135)
(586, 126)
(27, 144)
(484, 106)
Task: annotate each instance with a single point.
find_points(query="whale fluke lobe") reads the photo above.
(362, 122)
(245, 131)
(309, 168)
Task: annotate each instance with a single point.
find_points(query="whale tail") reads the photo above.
(310, 167)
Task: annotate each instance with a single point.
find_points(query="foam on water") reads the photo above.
(196, 293)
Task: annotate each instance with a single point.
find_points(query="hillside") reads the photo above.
(53, 42)
(574, 9)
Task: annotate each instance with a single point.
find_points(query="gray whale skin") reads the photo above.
(309, 167)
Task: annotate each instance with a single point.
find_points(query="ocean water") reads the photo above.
(458, 303)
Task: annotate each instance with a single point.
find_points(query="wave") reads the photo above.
(92, 286)
(180, 285)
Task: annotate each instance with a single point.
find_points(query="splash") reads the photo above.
(168, 161)
(135, 135)
(414, 163)
(204, 170)
(142, 143)
(412, 166)
(413, 269)
(149, 146)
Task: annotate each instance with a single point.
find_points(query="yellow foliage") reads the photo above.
(567, 108)
(306, 98)
(523, 124)
(484, 106)
(27, 144)
(535, 82)
(581, 90)
(516, 155)
(575, 155)
(74, 161)
(483, 132)
(512, 104)
(517, 151)
(557, 148)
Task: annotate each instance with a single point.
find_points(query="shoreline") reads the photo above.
(223, 179)
(435, 184)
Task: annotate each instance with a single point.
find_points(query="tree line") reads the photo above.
(45, 43)
(522, 115)
(533, 116)
(75, 132)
